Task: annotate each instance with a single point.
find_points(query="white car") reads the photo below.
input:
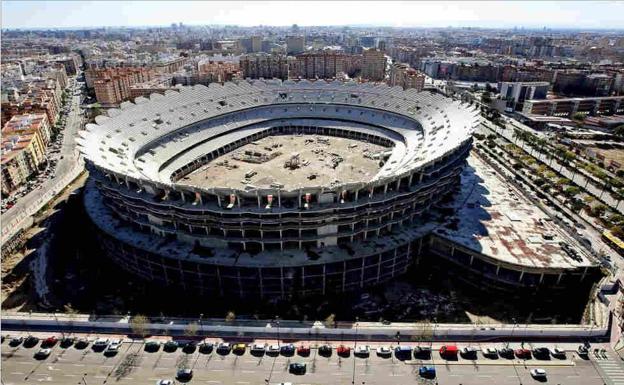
(361, 350)
(384, 351)
(538, 373)
(43, 353)
(258, 348)
(557, 352)
(490, 352)
(165, 382)
(115, 342)
(100, 342)
(273, 349)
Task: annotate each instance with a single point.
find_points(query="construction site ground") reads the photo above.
(316, 161)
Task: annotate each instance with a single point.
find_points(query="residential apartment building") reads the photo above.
(23, 149)
(317, 65)
(404, 76)
(265, 66)
(374, 65)
(112, 85)
(295, 45)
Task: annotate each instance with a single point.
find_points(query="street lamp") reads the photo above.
(357, 319)
(200, 322)
(278, 330)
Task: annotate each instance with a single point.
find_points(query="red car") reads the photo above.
(303, 350)
(343, 350)
(49, 342)
(449, 351)
(523, 353)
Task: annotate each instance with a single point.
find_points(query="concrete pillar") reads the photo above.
(541, 278)
(219, 200)
(259, 201)
(521, 276)
(182, 196)
(471, 259)
(559, 278)
(279, 198)
(356, 194)
(497, 270)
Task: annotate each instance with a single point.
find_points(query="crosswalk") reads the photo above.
(612, 369)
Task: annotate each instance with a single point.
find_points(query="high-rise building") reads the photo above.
(406, 77)
(295, 45)
(265, 66)
(374, 66)
(515, 93)
(317, 65)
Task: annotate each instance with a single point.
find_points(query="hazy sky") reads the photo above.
(581, 14)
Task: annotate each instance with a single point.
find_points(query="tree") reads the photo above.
(617, 231)
(139, 325)
(571, 191)
(578, 117)
(486, 98)
(619, 131)
(191, 329)
(330, 320)
(230, 316)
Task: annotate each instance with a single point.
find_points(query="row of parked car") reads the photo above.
(401, 352)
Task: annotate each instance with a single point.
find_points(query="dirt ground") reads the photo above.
(322, 160)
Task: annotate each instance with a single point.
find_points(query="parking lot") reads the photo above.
(133, 364)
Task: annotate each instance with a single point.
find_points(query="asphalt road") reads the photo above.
(26, 205)
(132, 365)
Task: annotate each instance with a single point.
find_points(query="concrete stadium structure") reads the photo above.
(275, 240)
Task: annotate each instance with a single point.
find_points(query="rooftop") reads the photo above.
(497, 221)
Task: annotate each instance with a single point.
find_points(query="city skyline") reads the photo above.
(64, 14)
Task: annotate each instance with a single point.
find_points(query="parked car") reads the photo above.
(558, 352)
(152, 346)
(16, 341)
(506, 353)
(273, 349)
(422, 352)
(523, 353)
(239, 349)
(490, 352)
(189, 347)
(541, 352)
(30, 341)
(206, 347)
(303, 350)
(100, 344)
(469, 352)
(343, 351)
(258, 349)
(361, 351)
(384, 351)
(325, 350)
(449, 351)
(165, 382)
(287, 350)
(43, 353)
(297, 368)
(67, 342)
(170, 346)
(224, 348)
(81, 343)
(403, 352)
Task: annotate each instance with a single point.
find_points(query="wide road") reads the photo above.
(14, 219)
(132, 365)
